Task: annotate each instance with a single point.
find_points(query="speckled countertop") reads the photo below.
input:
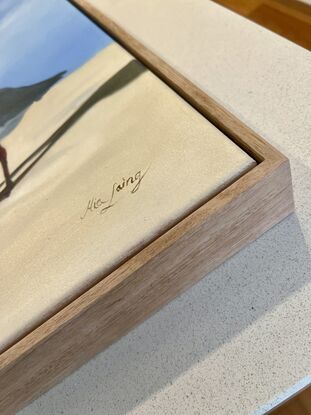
(241, 338)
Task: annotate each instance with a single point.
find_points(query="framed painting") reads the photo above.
(121, 185)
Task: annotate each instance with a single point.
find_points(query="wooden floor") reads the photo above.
(288, 18)
(299, 405)
(292, 20)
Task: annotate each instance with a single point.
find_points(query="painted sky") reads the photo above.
(41, 38)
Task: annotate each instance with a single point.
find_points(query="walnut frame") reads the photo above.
(164, 268)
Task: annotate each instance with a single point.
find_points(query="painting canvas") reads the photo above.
(98, 158)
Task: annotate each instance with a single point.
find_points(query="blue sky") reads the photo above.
(39, 38)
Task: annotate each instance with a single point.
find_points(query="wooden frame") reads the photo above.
(163, 269)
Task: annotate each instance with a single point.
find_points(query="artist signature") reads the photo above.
(102, 205)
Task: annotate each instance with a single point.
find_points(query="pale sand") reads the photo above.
(47, 253)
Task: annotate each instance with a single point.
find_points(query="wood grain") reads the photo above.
(288, 18)
(163, 269)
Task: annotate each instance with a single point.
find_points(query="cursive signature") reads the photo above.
(102, 205)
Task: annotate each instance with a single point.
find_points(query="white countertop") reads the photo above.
(241, 338)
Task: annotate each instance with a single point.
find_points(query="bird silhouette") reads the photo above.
(119, 80)
(13, 103)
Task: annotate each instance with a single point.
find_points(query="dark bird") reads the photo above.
(119, 80)
(13, 104)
